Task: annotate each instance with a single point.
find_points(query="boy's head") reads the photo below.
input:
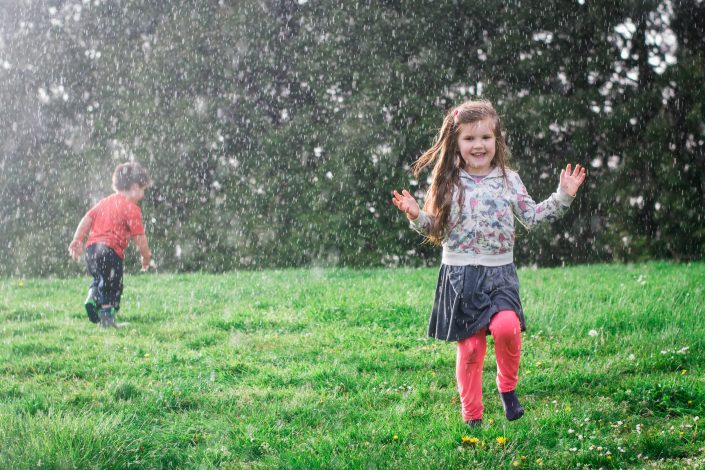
(131, 177)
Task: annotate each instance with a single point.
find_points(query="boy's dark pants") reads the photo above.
(106, 268)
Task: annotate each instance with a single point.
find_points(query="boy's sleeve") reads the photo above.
(529, 212)
(92, 212)
(134, 222)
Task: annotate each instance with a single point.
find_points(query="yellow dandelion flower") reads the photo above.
(609, 457)
(515, 463)
(501, 440)
(491, 421)
(539, 462)
(396, 438)
(21, 283)
(465, 439)
(146, 355)
(684, 371)
(568, 409)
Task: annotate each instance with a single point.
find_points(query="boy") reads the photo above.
(110, 224)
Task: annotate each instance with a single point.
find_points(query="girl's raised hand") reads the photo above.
(570, 182)
(405, 202)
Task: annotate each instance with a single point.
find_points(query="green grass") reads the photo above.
(332, 368)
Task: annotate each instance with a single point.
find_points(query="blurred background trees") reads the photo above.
(275, 130)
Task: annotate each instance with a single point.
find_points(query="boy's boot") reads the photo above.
(107, 318)
(92, 305)
(512, 407)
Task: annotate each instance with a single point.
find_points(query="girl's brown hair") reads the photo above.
(446, 171)
(128, 174)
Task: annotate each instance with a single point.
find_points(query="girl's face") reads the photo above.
(476, 144)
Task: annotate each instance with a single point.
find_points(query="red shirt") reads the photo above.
(115, 220)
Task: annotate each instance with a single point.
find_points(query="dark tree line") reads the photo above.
(275, 130)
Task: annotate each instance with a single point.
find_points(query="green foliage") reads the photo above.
(332, 368)
(275, 131)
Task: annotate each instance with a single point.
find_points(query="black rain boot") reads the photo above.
(512, 407)
(92, 306)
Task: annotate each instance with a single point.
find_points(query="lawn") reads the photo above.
(332, 368)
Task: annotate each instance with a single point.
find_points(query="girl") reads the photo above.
(469, 210)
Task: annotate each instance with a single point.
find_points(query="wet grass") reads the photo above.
(332, 368)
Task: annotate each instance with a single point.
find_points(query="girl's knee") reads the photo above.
(472, 348)
(505, 324)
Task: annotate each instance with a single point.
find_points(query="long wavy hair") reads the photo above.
(445, 177)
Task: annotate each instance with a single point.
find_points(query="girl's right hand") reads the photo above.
(405, 202)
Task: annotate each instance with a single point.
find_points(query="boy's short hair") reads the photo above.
(127, 174)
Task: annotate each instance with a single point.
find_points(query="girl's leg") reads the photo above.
(506, 331)
(468, 372)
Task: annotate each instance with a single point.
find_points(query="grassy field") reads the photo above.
(332, 368)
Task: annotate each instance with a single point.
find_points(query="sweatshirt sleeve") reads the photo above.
(529, 212)
(421, 224)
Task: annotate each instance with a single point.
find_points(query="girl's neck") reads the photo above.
(473, 172)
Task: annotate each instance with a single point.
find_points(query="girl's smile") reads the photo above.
(476, 144)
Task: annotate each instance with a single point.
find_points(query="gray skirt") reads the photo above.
(468, 296)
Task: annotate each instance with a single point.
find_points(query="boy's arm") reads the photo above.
(76, 246)
(143, 246)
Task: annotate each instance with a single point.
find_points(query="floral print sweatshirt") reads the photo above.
(482, 231)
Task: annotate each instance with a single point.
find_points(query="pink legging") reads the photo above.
(506, 331)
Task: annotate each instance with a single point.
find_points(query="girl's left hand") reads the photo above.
(570, 182)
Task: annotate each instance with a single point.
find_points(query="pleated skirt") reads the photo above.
(468, 296)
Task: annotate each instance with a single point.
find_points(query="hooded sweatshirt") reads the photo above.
(481, 232)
